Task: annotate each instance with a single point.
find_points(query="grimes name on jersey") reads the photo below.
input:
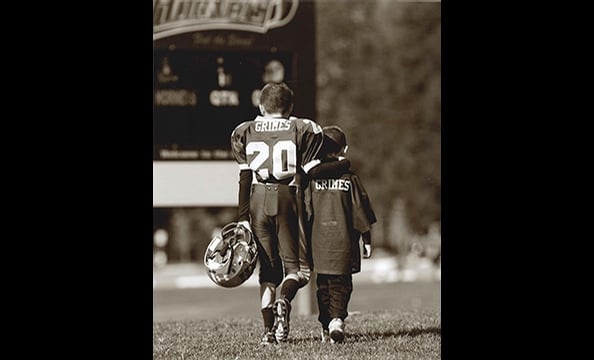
(333, 184)
(273, 125)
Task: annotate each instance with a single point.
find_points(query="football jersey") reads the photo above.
(340, 211)
(273, 147)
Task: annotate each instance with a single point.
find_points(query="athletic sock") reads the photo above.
(268, 317)
(289, 289)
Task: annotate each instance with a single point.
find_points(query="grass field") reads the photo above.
(387, 321)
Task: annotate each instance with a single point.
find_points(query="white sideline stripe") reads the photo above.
(184, 282)
(376, 271)
(203, 281)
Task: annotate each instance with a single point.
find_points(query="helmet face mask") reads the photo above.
(231, 258)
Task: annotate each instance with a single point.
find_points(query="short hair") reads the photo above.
(276, 97)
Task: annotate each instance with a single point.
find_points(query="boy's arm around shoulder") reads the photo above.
(329, 169)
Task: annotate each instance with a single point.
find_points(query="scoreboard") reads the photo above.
(212, 57)
(210, 60)
(197, 105)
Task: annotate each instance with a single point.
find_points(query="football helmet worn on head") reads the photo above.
(231, 257)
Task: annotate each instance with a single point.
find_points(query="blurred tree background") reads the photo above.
(379, 78)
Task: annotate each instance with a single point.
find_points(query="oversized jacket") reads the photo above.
(339, 211)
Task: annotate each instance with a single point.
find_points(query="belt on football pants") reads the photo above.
(264, 187)
(271, 193)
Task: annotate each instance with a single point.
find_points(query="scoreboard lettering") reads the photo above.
(171, 17)
(212, 57)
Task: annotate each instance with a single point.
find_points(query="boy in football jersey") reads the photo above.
(272, 151)
(340, 213)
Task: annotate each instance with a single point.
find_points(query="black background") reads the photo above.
(95, 202)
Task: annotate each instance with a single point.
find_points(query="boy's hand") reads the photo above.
(366, 251)
(245, 224)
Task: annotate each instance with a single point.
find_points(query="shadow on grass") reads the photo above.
(376, 335)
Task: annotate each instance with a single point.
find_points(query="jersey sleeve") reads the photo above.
(238, 145)
(243, 208)
(363, 214)
(310, 141)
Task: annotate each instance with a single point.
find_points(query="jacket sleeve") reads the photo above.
(366, 237)
(363, 214)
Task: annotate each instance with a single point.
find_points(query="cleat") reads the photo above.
(336, 329)
(282, 309)
(268, 339)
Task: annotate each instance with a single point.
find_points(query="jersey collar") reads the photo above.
(270, 117)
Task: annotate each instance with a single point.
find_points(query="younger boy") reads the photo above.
(340, 213)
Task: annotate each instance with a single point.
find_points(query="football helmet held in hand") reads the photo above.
(231, 258)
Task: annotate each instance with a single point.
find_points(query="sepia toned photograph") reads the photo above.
(297, 179)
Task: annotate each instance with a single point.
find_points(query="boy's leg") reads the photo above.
(305, 254)
(271, 270)
(288, 242)
(340, 289)
(323, 297)
(270, 275)
(267, 297)
(288, 239)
